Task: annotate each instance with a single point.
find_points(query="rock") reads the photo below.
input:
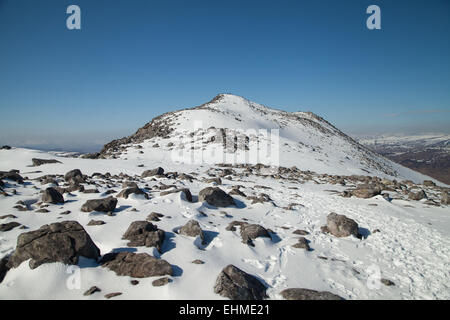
(154, 216)
(237, 192)
(235, 284)
(417, 195)
(102, 205)
(302, 244)
(366, 191)
(192, 229)
(307, 294)
(90, 191)
(387, 282)
(5, 147)
(216, 181)
(154, 172)
(51, 195)
(216, 197)
(445, 198)
(58, 242)
(136, 265)
(186, 192)
(8, 216)
(3, 267)
(91, 291)
(301, 232)
(144, 233)
(11, 175)
(8, 226)
(39, 162)
(96, 223)
(429, 183)
(134, 282)
(198, 261)
(341, 226)
(133, 190)
(250, 232)
(161, 282)
(112, 295)
(43, 210)
(129, 184)
(74, 176)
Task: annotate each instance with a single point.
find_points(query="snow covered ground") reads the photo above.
(412, 248)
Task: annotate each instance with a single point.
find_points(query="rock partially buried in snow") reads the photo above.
(302, 244)
(58, 242)
(102, 205)
(186, 191)
(74, 176)
(307, 294)
(192, 229)
(38, 162)
(150, 173)
(136, 265)
(144, 233)
(235, 284)
(51, 195)
(216, 197)
(250, 232)
(341, 226)
(133, 190)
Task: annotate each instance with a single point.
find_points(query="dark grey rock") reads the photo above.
(341, 226)
(235, 284)
(51, 195)
(307, 294)
(39, 162)
(216, 197)
(92, 290)
(302, 244)
(192, 229)
(102, 205)
(144, 233)
(133, 190)
(8, 226)
(154, 172)
(186, 192)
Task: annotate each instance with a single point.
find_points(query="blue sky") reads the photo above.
(133, 60)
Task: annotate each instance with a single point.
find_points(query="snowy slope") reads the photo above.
(305, 140)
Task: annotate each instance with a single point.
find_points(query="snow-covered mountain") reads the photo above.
(306, 140)
(171, 213)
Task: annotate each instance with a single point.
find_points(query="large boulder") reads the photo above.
(58, 242)
(38, 162)
(216, 197)
(341, 226)
(136, 265)
(74, 176)
(144, 233)
(235, 284)
(132, 190)
(102, 205)
(192, 229)
(154, 172)
(307, 294)
(51, 195)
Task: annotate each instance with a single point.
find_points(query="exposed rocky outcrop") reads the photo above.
(307, 294)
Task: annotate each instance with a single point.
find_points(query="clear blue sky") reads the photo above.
(133, 60)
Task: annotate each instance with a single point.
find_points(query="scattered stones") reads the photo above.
(144, 233)
(136, 265)
(216, 197)
(161, 282)
(341, 226)
(307, 294)
(192, 229)
(302, 244)
(38, 162)
(58, 242)
(96, 223)
(235, 284)
(154, 172)
(92, 290)
(133, 190)
(51, 195)
(101, 205)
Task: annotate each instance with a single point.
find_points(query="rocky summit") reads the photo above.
(227, 200)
